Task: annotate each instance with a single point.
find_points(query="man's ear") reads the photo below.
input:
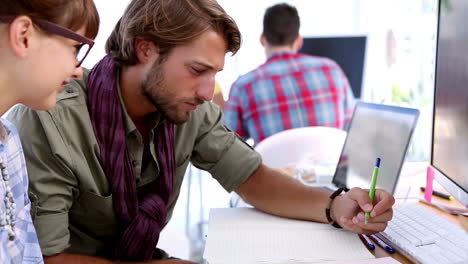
(146, 51)
(263, 40)
(20, 34)
(297, 45)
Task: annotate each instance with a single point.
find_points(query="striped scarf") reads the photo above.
(141, 219)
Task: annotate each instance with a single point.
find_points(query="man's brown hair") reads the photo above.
(281, 25)
(72, 14)
(169, 23)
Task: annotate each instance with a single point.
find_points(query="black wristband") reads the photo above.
(328, 208)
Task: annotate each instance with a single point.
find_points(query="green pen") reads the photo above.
(375, 175)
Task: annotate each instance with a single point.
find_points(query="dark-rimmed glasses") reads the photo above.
(82, 49)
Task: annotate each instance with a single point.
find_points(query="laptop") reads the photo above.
(375, 130)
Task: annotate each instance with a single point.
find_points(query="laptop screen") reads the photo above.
(375, 131)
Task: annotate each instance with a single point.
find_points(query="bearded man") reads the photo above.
(107, 163)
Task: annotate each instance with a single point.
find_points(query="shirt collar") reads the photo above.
(279, 54)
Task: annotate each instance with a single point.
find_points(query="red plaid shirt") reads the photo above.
(289, 91)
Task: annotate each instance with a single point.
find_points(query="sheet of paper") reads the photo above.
(386, 260)
(245, 235)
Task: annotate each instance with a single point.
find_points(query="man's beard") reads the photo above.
(154, 88)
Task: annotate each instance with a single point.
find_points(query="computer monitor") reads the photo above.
(449, 156)
(348, 52)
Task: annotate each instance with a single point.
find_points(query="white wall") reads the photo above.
(109, 12)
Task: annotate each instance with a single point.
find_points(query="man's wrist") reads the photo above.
(330, 213)
(333, 211)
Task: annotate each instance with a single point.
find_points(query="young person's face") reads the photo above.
(177, 84)
(52, 64)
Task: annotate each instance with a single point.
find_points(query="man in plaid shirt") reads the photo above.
(289, 90)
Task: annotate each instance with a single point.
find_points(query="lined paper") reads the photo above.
(246, 235)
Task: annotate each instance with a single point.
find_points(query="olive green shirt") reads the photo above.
(71, 201)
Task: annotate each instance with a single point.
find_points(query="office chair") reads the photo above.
(289, 147)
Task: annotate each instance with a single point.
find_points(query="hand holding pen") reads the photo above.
(375, 175)
(349, 209)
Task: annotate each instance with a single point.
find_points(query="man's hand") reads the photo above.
(348, 210)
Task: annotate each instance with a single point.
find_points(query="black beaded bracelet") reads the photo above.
(328, 208)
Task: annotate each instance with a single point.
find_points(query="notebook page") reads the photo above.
(245, 235)
(385, 260)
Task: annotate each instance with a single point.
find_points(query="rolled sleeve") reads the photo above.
(53, 233)
(236, 165)
(220, 151)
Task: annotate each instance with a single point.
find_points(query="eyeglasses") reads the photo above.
(82, 49)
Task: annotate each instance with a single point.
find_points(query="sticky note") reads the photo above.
(429, 181)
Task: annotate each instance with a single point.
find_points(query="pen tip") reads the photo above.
(377, 163)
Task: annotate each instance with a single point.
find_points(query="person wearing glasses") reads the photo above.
(42, 45)
(107, 163)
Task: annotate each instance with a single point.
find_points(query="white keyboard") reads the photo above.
(425, 237)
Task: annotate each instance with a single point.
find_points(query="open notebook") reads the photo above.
(248, 236)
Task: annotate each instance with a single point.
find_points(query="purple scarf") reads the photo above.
(141, 218)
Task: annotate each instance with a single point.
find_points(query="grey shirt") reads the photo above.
(71, 201)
